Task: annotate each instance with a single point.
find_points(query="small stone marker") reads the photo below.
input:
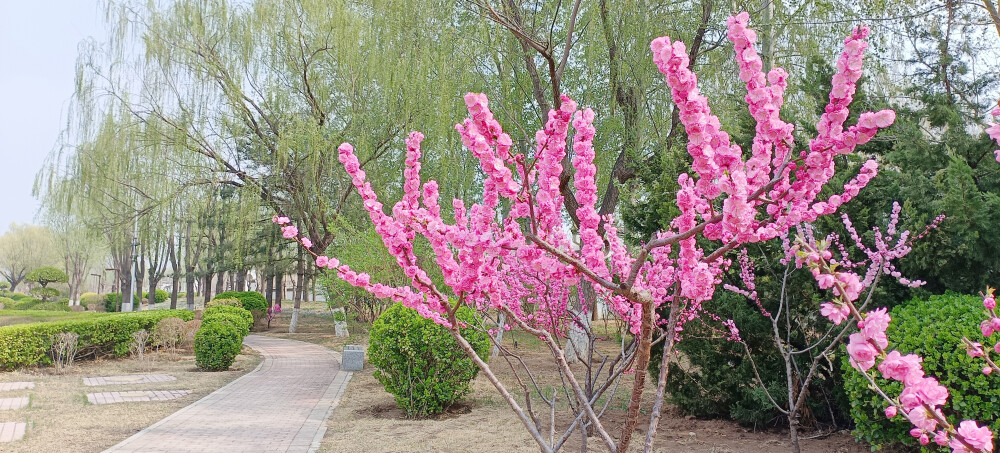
(13, 403)
(340, 322)
(353, 358)
(138, 395)
(127, 379)
(8, 386)
(11, 431)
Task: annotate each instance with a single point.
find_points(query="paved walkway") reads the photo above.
(282, 406)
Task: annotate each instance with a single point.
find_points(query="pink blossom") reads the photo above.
(322, 261)
(979, 437)
(989, 302)
(307, 243)
(289, 232)
(862, 352)
(890, 412)
(941, 438)
(986, 327)
(987, 370)
(836, 313)
(901, 368)
(282, 220)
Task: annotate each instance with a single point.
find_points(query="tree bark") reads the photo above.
(297, 293)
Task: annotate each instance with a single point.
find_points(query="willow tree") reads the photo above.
(255, 96)
(23, 248)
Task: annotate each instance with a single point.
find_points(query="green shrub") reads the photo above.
(6, 302)
(52, 306)
(419, 362)
(229, 301)
(160, 296)
(113, 302)
(238, 321)
(26, 303)
(241, 318)
(933, 329)
(216, 345)
(29, 344)
(45, 294)
(18, 296)
(250, 300)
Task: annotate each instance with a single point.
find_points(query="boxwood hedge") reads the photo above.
(26, 345)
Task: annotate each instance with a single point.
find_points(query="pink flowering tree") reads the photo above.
(989, 326)
(802, 363)
(511, 252)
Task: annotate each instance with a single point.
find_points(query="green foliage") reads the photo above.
(26, 345)
(237, 321)
(419, 362)
(46, 275)
(933, 329)
(112, 302)
(52, 306)
(717, 381)
(6, 302)
(159, 296)
(227, 301)
(240, 318)
(45, 293)
(88, 299)
(4, 286)
(216, 345)
(17, 296)
(250, 300)
(26, 303)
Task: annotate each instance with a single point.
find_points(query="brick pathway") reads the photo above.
(282, 406)
(128, 379)
(13, 403)
(8, 386)
(133, 396)
(11, 431)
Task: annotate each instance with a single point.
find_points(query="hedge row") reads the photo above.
(29, 344)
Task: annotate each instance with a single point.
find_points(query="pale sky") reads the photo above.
(38, 48)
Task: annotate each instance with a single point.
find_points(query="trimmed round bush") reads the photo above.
(18, 296)
(6, 302)
(250, 300)
(90, 298)
(229, 301)
(247, 317)
(419, 362)
(238, 321)
(216, 345)
(933, 329)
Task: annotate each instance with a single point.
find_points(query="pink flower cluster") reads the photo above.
(988, 327)
(922, 397)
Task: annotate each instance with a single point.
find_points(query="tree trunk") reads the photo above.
(151, 297)
(206, 289)
(241, 280)
(189, 288)
(268, 288)
(297, 293)
(220, 282)
(174, 275)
